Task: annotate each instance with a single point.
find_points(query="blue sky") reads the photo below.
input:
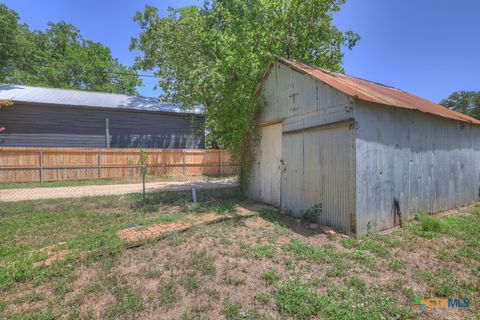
(427, 47)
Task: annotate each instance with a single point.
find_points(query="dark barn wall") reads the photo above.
(71, 126)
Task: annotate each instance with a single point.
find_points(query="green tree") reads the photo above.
(58, 57)
(215, 56)
(467, 102)
(10, 31)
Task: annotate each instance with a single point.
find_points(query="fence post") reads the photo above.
(221, 163)
(41, 165)
(184, 161)
(99, 164)
(143, 183)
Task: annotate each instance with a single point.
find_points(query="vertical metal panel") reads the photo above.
(284, 90)
(293, 187)
(270, 96)
(275, 92)
(375, 180)
(329, 98)
(426, 162)
(303, 97)
(293, 96)
(271, 149)
(319, 169)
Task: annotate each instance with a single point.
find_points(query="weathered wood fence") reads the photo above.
(64, 164)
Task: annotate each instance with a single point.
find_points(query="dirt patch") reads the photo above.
(234, 280)
(54, 253)
(94, 305)
(158, 230)
(28, 298)
(238, 273)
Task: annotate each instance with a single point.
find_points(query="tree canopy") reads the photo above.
(467, 102)
(58, 57)
(215, 55)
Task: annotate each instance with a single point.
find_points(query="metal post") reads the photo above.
(194, 195)
(107, 133)
(41, 165)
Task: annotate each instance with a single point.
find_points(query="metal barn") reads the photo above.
(46, 117)
(369, 154)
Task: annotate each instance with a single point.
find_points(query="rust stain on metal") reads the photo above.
(353, 227)
(376, 92)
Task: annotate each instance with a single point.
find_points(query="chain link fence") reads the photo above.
(144, 172)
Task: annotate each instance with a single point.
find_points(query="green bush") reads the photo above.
(312, 215)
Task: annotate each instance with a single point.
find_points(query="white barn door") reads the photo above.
(270, 166)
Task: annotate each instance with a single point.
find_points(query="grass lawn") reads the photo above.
(268, 266)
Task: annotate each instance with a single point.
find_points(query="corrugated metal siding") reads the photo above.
(271, 152)
(266, 175)
(284, 90)
(319, 169)
(52, 140)
(426, 162)
(293, 186)
(293, 97)
(318, 164)
(85, 127)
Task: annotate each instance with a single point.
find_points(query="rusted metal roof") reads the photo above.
(376, 92)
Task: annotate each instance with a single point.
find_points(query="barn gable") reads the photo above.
(292, 97)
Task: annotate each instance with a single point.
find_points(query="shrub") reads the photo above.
(312, 215)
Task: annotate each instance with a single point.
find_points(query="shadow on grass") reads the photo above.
(185, 197)
(282, 219)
